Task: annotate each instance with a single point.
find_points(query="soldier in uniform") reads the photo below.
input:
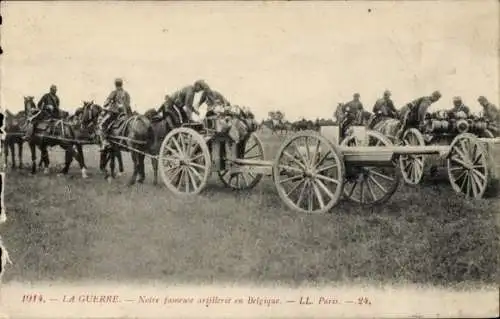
(178, 115)
(184, 98)
(117, 102)
(491, 114)
(385, 106)
(50, 103)
(413, 113)
(351, 113)
(458, 106)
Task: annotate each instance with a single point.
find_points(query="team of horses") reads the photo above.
(139, 134)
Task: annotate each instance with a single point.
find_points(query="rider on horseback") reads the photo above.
(118, 102)
(351, 113)
(48, 103)
(413, 113)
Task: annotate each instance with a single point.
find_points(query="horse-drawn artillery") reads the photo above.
(311, 171)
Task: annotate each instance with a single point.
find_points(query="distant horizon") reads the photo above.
(303, 69)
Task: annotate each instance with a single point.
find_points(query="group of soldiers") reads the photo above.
(178, 105)
(412, 113)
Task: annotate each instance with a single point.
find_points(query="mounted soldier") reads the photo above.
(491, 115)
(117, 103)
(413, 114)
(351, 113)
(48, 104)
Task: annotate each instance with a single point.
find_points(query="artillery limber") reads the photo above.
(466, 137)
(311, 171)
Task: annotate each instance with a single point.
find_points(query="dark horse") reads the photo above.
(133, 134)
(86, 130)
(52, 132)
(14, 136)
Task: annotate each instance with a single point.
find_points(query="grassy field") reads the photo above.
(67, 228)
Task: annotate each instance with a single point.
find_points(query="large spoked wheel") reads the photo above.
(244, 179)
(185, 162)
(370, 185)
(412, 166)
(468, 166)
(309, 173)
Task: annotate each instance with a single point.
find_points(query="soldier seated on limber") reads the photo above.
(117, 102)
(491, 115)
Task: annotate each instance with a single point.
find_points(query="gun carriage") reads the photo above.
(311, 171)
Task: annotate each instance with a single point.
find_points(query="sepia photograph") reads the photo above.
(250, 159)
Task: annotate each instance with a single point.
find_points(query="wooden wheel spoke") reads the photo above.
(294, 187)
(328, 179)
(325, 189)
(479, 175)
(361, 191)
(197, 165)
(322, 159)
(173, 152)
(291, 168)
(308, 153)
(179, 148)
(315, 154)
(301, 196)
(370, 189)
(326, 168)
(195, 173)
(354, 184)
(294, 160)
(189, 146)
(459, 161)
(381, 175)
(251, 148)
(476, 184)
(377, 183)
(290, 178)
(305, 162)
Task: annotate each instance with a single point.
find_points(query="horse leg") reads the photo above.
(141, 169)
(154, 162)
(20, 149)
(103, 161)
(135, 164)
(12, 155)
(68, 158)
(33, 157)
(78, 154)
(45, 157)
(112, 163)
(120, 163)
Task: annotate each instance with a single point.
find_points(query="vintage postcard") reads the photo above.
(250, 159)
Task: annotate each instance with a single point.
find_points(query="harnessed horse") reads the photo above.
(133, 134)
(14, 135)
(86, 129)
(52, 132)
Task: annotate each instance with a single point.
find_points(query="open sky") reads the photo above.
(299, 57)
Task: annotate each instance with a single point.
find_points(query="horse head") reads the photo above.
(90, 113)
